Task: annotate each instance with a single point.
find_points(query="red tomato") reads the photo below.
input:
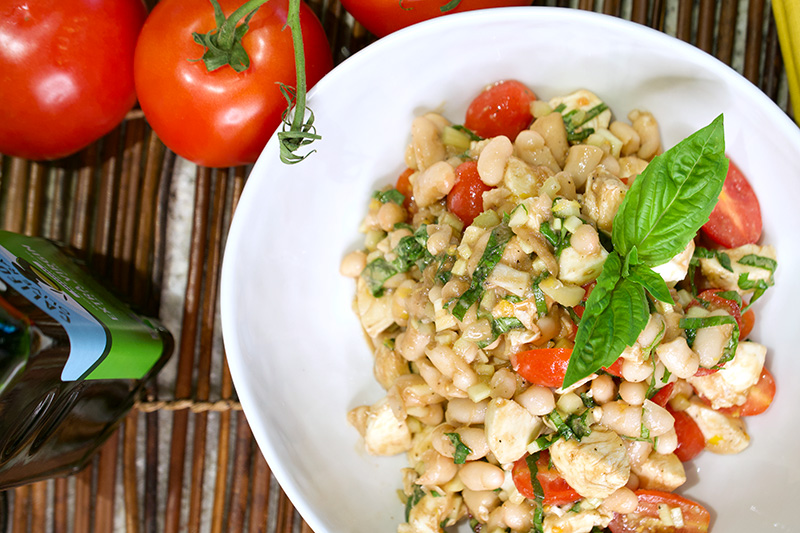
(404, 187)
(759, 397)
(717, 302)
(382, 17)
(690, 439)
(221, 118)
(501, 109)
(543, 366)
(748, 321)
(555, 489)
(695, 517)
(466, 197)
(664, 394)
(616, 368)
(66, 73)
(736, 219)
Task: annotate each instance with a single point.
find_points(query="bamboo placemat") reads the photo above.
(184, 459)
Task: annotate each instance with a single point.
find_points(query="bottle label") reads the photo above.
(107, 340)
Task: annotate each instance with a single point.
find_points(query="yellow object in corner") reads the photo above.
(787, 20)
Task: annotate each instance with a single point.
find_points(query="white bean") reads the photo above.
(633, 393)
(353, 263)
(537, 400)
(480, 502)
(657, 419)
(585, 240)
(390, 214)
(623, 418)
(438, 469)
(603, 389)
(582, 159)
(433, 183)
(625, 133)
(636, 372)
(427, 144)
(518, 516)
(412, 342)
(710, 342)
(465, 411)
(678, 357)
(503, 384)
(667, 443)
(480, 475)
(646, 126)
(493, 158)
(623, 501)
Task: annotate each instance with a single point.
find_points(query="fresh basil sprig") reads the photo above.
(662, 211)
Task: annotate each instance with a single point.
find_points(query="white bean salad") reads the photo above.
(560, 314)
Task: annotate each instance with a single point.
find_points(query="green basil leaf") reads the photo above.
(759, 261)
(462, 450)
(392, 195)
(652, 282)
(498, 239)
(669, 202)
(533, 469)
(611, 322)
(376, 273)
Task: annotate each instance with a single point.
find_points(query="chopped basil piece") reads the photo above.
(538, 294)
(704, 253)
(498, 239)
(692, 324)
(392, 195)
(558, 240)
(376, 273)
(501, 325)
(462, 450)
(759, 261)
(411, 250)
(533, 468)
(471, 134)
(414, 499)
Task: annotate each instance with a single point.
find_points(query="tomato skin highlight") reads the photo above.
(503, 108)
(465, 199)
(696, 518)
(542, 366)
(554, 487)
(382, 17)
(68, 79)
(221, 118)
(736, 219)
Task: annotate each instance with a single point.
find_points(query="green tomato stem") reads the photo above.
(293, 21)
(227, 32)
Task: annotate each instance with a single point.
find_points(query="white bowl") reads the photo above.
(295, 348)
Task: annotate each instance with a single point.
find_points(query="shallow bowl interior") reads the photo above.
(296, 351)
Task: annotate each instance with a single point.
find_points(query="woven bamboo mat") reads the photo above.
(184, 459)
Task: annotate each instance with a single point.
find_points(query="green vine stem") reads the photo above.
(223, 47)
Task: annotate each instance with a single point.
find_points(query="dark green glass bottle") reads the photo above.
(73, 360)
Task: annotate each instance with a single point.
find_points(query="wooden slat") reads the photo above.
(186, 352)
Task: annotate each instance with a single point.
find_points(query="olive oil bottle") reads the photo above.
(73, 360)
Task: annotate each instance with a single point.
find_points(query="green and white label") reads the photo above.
(107, 340)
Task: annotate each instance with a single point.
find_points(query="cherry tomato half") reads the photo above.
(736, 219)
(543, 366)
(503, 108)
(382, 17)
(759, 397)
(690, 439)
(403, 186)
(555, 489)
(696, 518)
(221, 118)
(465, 199)
(66, 73)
